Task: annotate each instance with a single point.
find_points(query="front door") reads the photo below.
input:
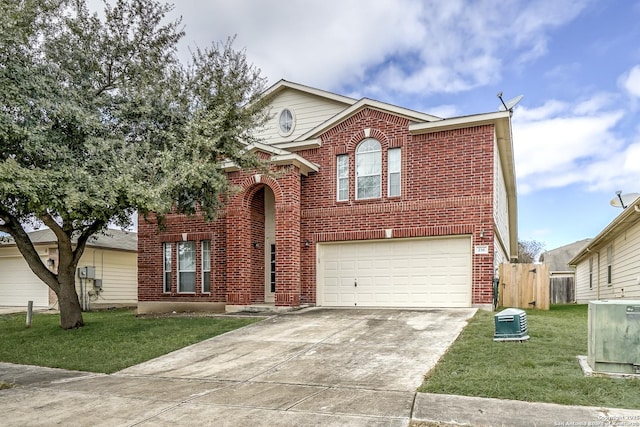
(269, 246)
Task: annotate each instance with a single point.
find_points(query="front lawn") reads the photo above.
(111, 340)
(544, 369)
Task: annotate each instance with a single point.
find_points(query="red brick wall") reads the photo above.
(150, 257)
(447, 189)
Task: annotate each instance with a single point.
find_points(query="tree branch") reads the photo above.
(28, 251)
(61, 235)
(81, 243)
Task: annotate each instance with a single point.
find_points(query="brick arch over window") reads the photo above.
(249, 188)
(360, 136)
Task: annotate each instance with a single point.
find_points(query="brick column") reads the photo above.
(238, 254)
(288, 240)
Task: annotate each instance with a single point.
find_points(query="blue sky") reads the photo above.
(576, 132)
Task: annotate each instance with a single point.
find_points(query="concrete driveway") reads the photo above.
(312, 367)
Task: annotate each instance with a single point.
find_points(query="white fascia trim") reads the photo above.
(303, 164)
(627, 218)
(367, 103)
(229, 166)
(266, 148)
(299, 145)
(282, 84)
(458, 122)
(404, 112)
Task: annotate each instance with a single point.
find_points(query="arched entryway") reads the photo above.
(263, 245)
(263, 242)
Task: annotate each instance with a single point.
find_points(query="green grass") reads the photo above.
(544, 369)
(110, 340)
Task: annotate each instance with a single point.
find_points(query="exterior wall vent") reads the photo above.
(614, 336)
(511, 325)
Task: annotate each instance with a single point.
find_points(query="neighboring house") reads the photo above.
(369, 205)
(561, 274)
(113, 256)
(608, 267)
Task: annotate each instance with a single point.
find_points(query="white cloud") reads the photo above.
(631, 81)
(444, 111)
(384, 47)
(560, 144)
(587, 142)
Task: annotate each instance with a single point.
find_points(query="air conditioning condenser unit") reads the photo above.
(614, 336)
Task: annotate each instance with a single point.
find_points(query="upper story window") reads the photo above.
(286, 122)
(342, 168)
(394, 162)
(368, 169)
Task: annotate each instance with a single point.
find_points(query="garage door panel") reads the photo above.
(19, 285)
(403, 273)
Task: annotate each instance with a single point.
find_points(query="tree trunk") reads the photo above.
(70, 310)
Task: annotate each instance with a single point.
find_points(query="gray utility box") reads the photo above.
(511, 325)
(614, 336)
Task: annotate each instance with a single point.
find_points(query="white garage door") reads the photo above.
(18, 284)
(395, 273)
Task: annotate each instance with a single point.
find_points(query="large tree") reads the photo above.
(529, 251)
(99, 119)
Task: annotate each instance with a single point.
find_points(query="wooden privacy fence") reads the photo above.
(524, 286)
(563, 288)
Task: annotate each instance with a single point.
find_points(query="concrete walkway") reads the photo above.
(316, 367)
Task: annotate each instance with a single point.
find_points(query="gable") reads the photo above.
(620, 225)
(308, 111)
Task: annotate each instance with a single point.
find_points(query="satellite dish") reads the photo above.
(508, 106)
(623, 200)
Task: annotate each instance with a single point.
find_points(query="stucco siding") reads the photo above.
(308, 111)
(500, 203)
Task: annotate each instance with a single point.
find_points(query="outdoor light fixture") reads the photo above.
(307, 243)
(481, 234)
(51, 262)
(256, 245)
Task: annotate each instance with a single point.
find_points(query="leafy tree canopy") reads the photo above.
(99, 119)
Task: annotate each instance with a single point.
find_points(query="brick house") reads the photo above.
(369, 205)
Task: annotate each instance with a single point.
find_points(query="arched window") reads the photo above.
(368, 169)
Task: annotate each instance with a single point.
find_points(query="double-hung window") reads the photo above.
(166, 267)
(206, 266)
(187, 267)
(368, 169)
(342, 167)
(394, 162)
